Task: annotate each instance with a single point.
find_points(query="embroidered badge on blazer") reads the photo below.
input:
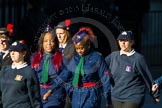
(128, 68)
(18, 77)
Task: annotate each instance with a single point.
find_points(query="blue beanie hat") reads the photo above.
(18, 46)
(126, 35)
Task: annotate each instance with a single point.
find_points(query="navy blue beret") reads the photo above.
(79, 36)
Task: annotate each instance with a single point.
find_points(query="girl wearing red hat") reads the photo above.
(87, 71)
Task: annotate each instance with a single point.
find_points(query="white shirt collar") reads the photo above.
(3, 51)
(62, 45)
(6, 52)
(128, 54)
(20, 66)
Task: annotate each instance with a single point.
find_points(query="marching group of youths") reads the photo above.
(67, 72)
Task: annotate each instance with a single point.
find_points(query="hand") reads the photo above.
(46, 95)
(108, 106)
(155, 87)
(157, 100)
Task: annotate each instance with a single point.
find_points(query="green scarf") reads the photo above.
(44, 77)
(79, 70)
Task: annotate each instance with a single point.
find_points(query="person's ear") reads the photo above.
(24, 53)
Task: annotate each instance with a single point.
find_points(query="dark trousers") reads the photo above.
(68, 102)
(1, 106)
(117, 104)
